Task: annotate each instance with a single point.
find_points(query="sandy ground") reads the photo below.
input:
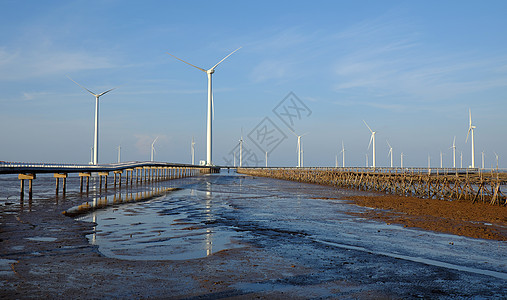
(44, 254)
(476, 220)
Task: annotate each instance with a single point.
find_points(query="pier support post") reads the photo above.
(105, 174)
(24, 177)
(81, 177)
(64, 178)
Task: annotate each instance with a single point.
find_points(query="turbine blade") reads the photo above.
(367, 126)
(105, 92)
(83, 87)
(470, 115)
(371, 139)
(213, 68)
(470, 128)
(187, 62)
(389, 144)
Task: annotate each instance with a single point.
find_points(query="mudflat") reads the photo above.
(476, 220)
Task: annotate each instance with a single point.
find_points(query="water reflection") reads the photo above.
(158, 224)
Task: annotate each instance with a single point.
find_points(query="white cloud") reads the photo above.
(18, 64)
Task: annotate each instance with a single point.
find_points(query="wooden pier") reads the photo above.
(446, 184)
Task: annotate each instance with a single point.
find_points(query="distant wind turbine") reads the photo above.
(96, 136)
(461, 159)
(367, 163)
(192, 149)
(390, 152)
(343, 155)
(401, 160)
(266, 159)
(119, 153)
(153, 148)
(483, 159)
(453, 147)
(209, 136)
(372, 139)
(241, 150)
(300, 151)
(471, 130)
(496, 155)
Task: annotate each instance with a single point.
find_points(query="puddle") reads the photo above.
(177, 226)
(42, 239)
(5, 266)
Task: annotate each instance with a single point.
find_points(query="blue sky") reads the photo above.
(411, 69)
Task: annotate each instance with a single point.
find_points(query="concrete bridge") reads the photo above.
(134, 172)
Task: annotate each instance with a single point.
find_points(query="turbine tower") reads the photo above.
(300, 150)
(209, 136)
(471, 133)
(453, 147)
(343, 155)
(96, 135)
(153, 148)
(119, 153)
(193, 150)
(390, 152)
(372, 139)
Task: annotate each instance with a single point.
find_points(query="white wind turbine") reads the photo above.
(153, 148)
(96, 135)
(453, 147)
(401, 160)
(372, 139)
(471, 129)
(119, 153)
(209, 136)
(343, 155)
(390, 152)
(241, 150)
(192, 150)
(300, 150)
(483, 159)
(496, 155)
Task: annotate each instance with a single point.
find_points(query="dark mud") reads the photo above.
(292, 246)
(476, 220)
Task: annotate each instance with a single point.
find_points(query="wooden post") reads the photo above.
(105, 174)
(58, 176)
(87, 175)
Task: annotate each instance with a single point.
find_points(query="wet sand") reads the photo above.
(44, 254)
(476, 220)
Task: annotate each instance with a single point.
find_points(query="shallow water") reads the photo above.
(223, 211)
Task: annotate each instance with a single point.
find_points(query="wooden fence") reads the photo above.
(449, 184)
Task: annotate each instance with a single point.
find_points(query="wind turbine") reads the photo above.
(372, 138)
(241, 150)
(390, 152)
(471, 129)
(209, 136)
(119, 153)
(299, 148)
(192, 147)
(367, 163)
(496, 155)
(461, 159)
(266, 159)
(441, 160)
(453, 147)
(401, 159)
(153, 148)
(483, 159)
(343, 155)
(96, 136)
